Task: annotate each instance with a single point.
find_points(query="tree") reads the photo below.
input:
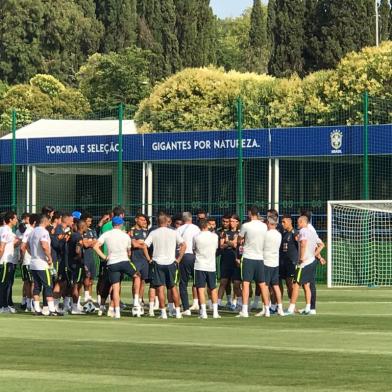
(119, 20)
(343, 27)
(232, 38)
(156, 32)
(44, 96)
(186, 26)
(3, 89)
(257, 40)
(49, 36)
(107, 80)
(68, 38)
(169, 38)
(21, 23)
(201, 98)
(206, 35)
(271, 23)
(47, 84)
(70, 103)
(288, 38)
(384, 11)
(313, 17)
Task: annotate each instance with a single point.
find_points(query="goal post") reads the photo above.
(359, 243)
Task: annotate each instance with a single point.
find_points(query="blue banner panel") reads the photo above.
(83, 149)
(316, 141)
(6, 152)
(257, 143)
(204, 145)
(380, 139)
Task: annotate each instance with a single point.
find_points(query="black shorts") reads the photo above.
(236, 274)
(203, 278)
(117, 270)
(227, 267)
(305, 274)
(164, 275)
(142, 266)
(61, 269)
(76, 273)
(91, 268)
(252, 270)
(287, 270)
(26, 274)
(271, 275)
(42, 280)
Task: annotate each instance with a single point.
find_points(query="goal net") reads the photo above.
(359, 243)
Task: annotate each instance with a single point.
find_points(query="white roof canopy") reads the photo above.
(69, 128)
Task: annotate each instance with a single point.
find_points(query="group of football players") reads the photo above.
(61, 255)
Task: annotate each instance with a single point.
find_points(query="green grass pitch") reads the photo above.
(346, 347)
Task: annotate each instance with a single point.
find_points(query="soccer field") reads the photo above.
(346, 347)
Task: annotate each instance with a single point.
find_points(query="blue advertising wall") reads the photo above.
(257, 143)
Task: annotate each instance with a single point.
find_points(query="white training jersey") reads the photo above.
(16, 257)
(312, 240)
(7, 237)
(38, 260)
(205, 245)
(188, 232)
(165, 242)
(254, 234)
(117, 243)
(272, 242)
(27, 256)
(311, 228)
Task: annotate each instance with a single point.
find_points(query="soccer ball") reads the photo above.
(89, 308)
(137, 311)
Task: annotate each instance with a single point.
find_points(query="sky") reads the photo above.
(229, 8)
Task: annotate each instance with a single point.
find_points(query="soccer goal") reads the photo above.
(359, 243)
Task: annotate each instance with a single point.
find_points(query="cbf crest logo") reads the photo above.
(336, 141)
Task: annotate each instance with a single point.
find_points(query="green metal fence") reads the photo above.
(218, 186)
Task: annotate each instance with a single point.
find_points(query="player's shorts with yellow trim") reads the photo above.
(26, 274)
(77, 273)
(305, 274)
(42, 279)
(117, 270)
(164, 275)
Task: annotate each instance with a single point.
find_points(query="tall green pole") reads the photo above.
(365, 194)
(240, 166)
(120, 156)
(13, 169)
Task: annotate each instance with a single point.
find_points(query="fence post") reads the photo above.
(13, 168)
(365, 193)
(240, 166)
(120, 156)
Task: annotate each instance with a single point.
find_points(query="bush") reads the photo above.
(48, 84)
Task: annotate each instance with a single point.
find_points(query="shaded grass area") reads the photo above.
(346, 347)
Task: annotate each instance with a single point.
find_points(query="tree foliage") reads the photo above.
(46, 36)
(186, 27)
(203, 98)
(43, 97)
(341, 27)
(384, 12)
(288, 38)
(257, 51)
(232, 42)
(107, 80)
(119, 20)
